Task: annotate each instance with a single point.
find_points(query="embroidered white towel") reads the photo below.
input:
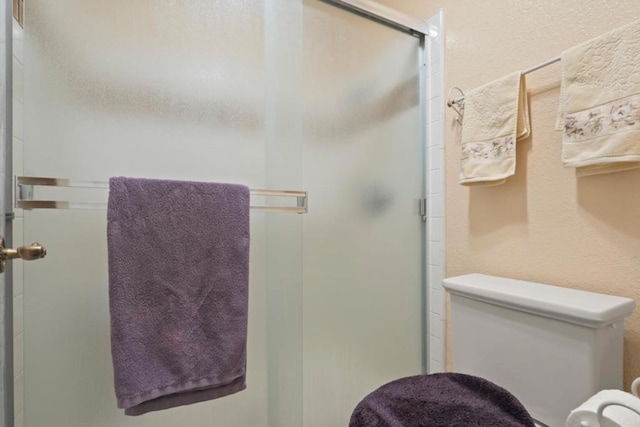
(600, 103)
(496, 115)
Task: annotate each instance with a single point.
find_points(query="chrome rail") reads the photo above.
(384, 14)
(24, 198)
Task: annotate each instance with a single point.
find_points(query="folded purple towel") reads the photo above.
(178, 286)
(440, 400)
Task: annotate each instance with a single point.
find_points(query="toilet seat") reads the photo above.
(447, 399)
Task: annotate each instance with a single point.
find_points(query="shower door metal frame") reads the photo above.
(378, 12)
(6, 284)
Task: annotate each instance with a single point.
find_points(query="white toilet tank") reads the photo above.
(551, 347)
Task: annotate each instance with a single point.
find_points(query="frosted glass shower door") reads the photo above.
(363, 168)
(278, 94)
(145, 88)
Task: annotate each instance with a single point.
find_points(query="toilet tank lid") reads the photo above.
(570, 305)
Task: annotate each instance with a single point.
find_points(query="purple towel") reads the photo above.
(178, 286)
(440, 400)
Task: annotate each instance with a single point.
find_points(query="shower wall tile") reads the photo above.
(435, 319)
(436, 276)
(436, 305)
(437, 351)
(436, 229)
(434, 72)
(435, 254)
(435, 202)
(437, 132)
(435, 193)
(436, 159)
(435, 176)
(435, 48)
(436, 109)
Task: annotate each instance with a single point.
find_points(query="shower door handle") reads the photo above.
(28, 253)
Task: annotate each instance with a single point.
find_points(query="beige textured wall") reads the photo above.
(544, 224)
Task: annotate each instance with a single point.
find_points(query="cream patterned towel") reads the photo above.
(496, 115)
(600, 103)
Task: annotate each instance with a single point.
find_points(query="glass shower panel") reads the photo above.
(148, 88)
(277, 94)
(363, 168)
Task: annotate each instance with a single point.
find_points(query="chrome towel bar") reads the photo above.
(458, 103)
(24, 197)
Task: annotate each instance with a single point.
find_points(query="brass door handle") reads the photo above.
(28, 253)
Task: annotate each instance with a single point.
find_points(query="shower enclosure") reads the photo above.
(326, 97)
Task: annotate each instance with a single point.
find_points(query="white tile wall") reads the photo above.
(435, 306)
(18, 231)
(435, 194)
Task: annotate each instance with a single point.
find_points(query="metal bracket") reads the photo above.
(456, 103)
(423, 209)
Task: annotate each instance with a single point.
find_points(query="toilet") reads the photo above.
(551, 347)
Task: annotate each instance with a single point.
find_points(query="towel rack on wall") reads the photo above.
(458, 103)
(24, 195)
